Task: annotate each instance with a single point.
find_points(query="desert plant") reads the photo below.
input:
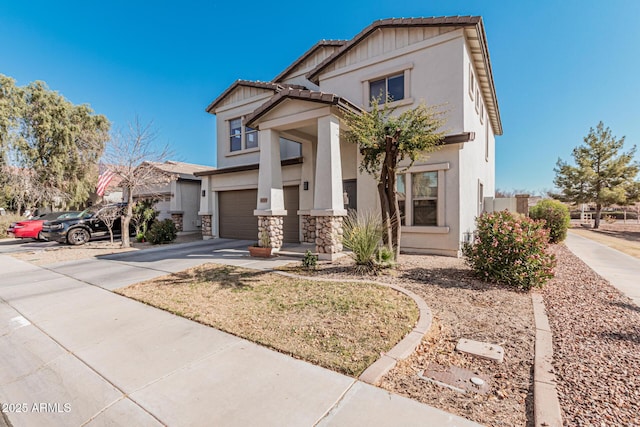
(362, 232)
(144, 214)
(556, 218)
(264, 239)
(310, 261)
(162, 232)
(510, 249)
(385, 257)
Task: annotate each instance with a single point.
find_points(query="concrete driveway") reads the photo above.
(73, 353)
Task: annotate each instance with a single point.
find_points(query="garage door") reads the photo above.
(238, 222)
(236, 214)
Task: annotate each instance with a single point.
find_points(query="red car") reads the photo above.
(32, 228)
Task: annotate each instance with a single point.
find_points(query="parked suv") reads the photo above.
(82, 228)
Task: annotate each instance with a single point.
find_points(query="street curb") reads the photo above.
(374, 373)
(545, 395)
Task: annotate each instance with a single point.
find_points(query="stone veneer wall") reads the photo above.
(329, 234)
(308, 229)
(274, 226)
(206, 225)
(177, 220)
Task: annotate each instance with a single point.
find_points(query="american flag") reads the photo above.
(104, 180)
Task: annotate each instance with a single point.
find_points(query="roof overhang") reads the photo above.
(303, 95)
(276, 87)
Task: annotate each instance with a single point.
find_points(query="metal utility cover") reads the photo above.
(457, 378)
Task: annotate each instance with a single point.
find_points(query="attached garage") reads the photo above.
(236, 219)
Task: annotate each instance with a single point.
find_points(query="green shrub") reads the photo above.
(362, 231)
(162, 232)
(385, 258)
(510, 249)
(310, 261)
(556, 216)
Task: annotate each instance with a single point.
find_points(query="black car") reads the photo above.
(87, 225)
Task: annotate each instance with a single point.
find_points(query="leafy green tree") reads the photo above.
(59, 143)
(601, 175)
(384, 140)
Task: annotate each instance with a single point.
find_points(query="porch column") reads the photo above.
(328, 207)
(175, 205)
(270, 204)
(207, 208)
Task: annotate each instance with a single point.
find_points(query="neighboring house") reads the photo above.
(283, 167)
(179, 198)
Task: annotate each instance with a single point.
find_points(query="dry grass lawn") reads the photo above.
(339, 325)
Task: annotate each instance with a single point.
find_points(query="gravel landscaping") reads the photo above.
(463, 307)
(596, 337)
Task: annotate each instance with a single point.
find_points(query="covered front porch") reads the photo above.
(311, 120)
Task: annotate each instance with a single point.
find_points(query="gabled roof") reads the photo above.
(301, 94)
(456, 21)
(476, 35)
(180, 169)
(276, 87)
(307, 54)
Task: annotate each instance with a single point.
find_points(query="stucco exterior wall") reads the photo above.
(478, 156)
(227, 158)
(435, 73)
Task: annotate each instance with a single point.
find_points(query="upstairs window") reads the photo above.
(241, 137)
(387, 89)
(235, 134)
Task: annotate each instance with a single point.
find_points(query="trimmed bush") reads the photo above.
(510, 249)
(162, 232)
(556, 217)
(310, 261)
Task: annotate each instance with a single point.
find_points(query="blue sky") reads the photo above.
(559, 66)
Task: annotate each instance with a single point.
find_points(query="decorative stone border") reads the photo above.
(405, 348)
(545, 395)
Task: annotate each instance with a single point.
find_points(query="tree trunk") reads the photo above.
(126, 220)
(596, 223)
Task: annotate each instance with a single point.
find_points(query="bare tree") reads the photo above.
(129, 155)
(109, 214)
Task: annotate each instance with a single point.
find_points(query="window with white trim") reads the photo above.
(241, 137)
(389, 88)
(421, 196)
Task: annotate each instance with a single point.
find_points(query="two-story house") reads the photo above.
(283, 168)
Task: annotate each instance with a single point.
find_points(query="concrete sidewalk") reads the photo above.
(620, 269)
(76, 354)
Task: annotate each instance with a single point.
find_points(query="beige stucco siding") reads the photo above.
(435, 73)
(226, 158)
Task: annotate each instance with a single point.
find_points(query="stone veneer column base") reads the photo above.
(328, 236)
(273, 225)
(206, 227)
(177, 220)
(308, 228)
